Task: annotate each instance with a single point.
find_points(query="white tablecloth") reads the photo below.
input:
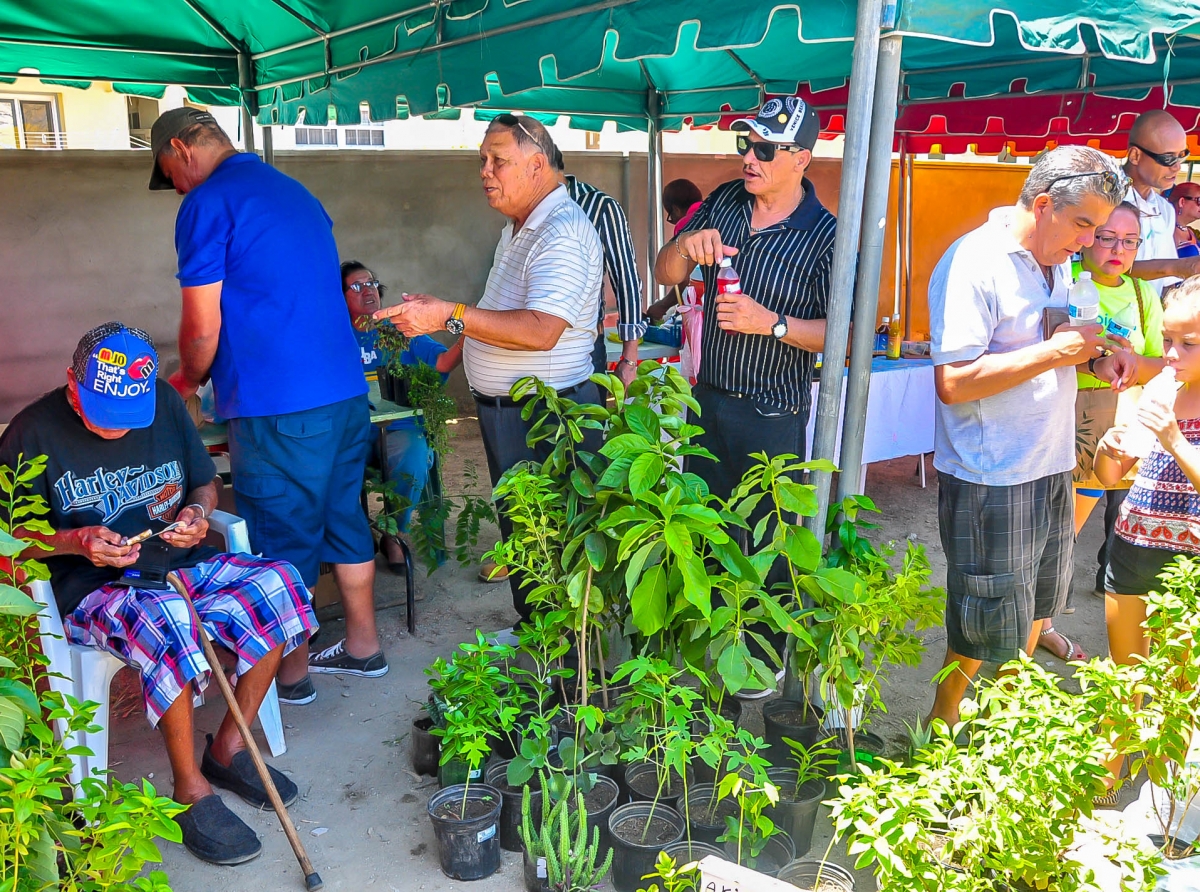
(899, 410)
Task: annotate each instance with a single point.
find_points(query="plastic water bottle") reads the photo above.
(895, 340)
(1138, 440)
(1083, 304)
(729, 282)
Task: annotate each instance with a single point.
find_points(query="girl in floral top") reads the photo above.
(1160, 517)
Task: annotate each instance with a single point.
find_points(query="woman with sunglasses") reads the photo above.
(1185, 198)
(409, 458)
(1129, 308)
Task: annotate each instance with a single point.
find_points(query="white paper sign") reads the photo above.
(719, 875)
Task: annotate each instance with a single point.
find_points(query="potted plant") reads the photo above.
(801, 791)
(562, 853)
(751, 838)
(1006, 809)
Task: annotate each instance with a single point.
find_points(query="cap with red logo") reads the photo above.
(116, 368)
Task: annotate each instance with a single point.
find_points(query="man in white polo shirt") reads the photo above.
(538, 312)
(1005, 445)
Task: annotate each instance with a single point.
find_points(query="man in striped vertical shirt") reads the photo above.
(755, 378)
(537, 315)
(620, 264)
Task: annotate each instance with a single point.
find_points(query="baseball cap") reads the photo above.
(784, 120)
(116, 367)
(168, 126)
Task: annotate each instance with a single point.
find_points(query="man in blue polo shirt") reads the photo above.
(263, 316)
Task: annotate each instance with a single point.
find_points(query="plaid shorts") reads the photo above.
(248, 605)
(1009, 552)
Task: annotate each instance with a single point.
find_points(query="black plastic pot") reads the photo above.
(641, 780)
(457, 772)
(684, 852)
(534, 874)
(793, 719)
(693, 808)
(796, 816)
(776, 854)
(426, 749)
(805, 875)
(633, 855)
(385, 383)
(469, 848)
(510, 814)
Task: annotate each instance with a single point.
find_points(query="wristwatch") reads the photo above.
(454, 324)
(779, 329)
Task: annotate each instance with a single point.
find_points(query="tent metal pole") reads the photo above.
(268, 134)
(908, 246)
(654, 187)
(246, 85)
(845, 249)
(874, 233)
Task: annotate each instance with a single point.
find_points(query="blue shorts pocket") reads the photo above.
(260, 486)
(987, 611)
(302, 425)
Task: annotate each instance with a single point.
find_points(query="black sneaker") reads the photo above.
(299, 694)
(335, 660)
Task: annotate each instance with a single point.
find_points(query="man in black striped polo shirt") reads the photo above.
(757, 356)
(620, 265)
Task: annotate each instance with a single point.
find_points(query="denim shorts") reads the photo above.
(297, 481)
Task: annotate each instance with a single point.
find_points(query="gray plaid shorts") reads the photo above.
(1009, 552)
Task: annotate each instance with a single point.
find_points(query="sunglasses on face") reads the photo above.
(1195, 198)
(1111, 241)
(357, 287)
(763, 151)
(1165, 159)
(1110, 183)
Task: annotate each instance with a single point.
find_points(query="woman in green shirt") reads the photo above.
(1128, 308)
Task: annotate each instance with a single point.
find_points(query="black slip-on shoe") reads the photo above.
(214, 834)
(242, 778)
(336, 660)
(299, 694)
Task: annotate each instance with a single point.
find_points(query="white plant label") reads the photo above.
(719, 875)
(541, 869)
(485, 835)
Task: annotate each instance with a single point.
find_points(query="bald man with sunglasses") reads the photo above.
(1157, 149)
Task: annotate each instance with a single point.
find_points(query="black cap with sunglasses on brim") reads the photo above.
(786, 122)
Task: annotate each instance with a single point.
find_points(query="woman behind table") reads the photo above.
(1186, 199)
(1160, 517)
(409, 457)
(1126, 304)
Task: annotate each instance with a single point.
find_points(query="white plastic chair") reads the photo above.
(87, 672)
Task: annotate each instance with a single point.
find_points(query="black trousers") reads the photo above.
(734, 427)
(504, 433)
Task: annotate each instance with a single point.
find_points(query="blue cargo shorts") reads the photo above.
(297, 481)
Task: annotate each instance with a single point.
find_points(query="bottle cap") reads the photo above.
(887, 319)
(1085, 276)
(726, 263)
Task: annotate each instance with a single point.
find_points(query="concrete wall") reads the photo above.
(82, 241)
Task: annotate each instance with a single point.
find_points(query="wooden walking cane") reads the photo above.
(312, 879)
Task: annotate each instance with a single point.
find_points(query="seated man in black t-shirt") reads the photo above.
(124, 458)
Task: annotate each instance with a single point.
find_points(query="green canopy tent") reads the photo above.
(646, 64)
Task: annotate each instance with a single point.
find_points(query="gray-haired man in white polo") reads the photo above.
(538, 312)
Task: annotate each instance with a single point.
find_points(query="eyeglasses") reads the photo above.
(1111, 241)
(1167, 159)
(1110, 183)
(1195, 198)
(763, 151)
(357, 287)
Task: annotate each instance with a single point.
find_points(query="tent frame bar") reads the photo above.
(214, 25)
(58, 45)
(437, 45)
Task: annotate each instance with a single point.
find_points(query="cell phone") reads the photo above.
(147, 534)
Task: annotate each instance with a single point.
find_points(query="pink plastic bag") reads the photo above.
(692, 313)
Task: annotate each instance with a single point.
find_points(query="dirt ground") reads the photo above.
(361, 812)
